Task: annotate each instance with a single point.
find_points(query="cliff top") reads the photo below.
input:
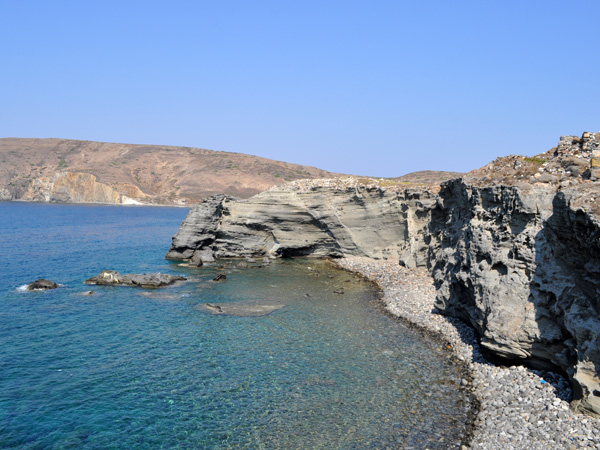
(428, 179)
(575, 160)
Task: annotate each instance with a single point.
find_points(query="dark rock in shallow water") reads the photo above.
(41, 285)
(220, 277)
(240, 309)
(150, 280)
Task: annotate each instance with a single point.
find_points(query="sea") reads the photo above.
(131, 368)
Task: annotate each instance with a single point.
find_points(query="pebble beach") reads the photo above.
(517, 408)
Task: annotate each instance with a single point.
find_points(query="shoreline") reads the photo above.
(515, 407)
(158, 205)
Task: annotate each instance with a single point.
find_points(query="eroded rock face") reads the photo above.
(320, 221)
(522, 265)
(5, 195)
(77, 187)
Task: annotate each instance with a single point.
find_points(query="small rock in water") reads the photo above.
(215, 308)
(220, 277)
(41, 285)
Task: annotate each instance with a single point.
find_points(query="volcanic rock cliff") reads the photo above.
(518, 259)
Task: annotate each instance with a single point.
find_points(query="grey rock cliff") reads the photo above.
(318, 221)
(521, 265)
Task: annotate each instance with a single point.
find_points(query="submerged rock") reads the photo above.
(241, 309)
(150, 280)
(42, 285)
(220, 277)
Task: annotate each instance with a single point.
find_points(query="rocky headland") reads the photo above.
(513, 249)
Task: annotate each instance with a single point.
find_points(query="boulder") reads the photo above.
(196, 259)
(42, 285)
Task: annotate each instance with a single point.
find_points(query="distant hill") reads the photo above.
(428, 177)
(65, 170)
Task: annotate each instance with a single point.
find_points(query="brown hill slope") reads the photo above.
(428, 176)
(85, 171)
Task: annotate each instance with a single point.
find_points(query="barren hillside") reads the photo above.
(69, 170)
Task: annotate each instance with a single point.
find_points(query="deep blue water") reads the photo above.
(128, 368)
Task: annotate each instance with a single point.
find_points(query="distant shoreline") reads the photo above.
(96, 204)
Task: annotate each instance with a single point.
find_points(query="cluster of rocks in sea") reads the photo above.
(518, 408)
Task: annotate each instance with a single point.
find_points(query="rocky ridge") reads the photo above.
(518, 260)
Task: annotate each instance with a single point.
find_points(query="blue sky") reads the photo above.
(377, 88)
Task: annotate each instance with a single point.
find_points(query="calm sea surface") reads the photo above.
(128, 368)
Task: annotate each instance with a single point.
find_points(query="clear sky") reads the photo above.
(375, 87)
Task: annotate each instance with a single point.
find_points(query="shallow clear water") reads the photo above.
(145, 369)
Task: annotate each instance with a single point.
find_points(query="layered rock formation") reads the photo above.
(519, 260)
(319, 219)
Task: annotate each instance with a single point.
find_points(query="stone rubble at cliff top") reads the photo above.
(351, 182)
(567, 164)
(519, 408)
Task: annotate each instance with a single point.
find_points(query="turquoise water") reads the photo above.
(128, 368)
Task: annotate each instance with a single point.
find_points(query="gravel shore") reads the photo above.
(519, 408)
